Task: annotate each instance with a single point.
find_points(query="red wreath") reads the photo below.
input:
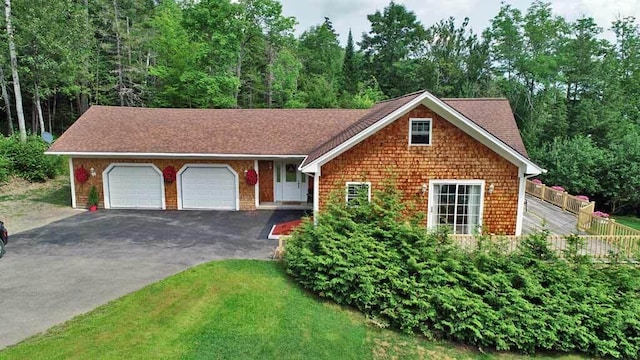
(252, 177)
(81, 174)
(169, 174)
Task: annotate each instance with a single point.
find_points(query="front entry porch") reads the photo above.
(282, 186)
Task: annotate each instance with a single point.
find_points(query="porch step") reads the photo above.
(284, 206)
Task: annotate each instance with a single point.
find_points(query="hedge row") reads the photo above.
(372, 257)
(27, 159)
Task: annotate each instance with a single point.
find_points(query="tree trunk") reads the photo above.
(146, 69)
(50, 115)
(14, 72)
(83, 100)
(128, 43)
(7, 102)
(53, 115)
(83, 103)
(36, 100)
(238, 74)
(34, 122)
(120, 86)
(270, 76)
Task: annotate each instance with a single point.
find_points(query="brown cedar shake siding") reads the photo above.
(453, 155)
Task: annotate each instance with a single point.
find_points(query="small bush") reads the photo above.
(374, 258)
(27, 159)
(93, 198)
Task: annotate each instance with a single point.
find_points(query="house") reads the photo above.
(463, 160)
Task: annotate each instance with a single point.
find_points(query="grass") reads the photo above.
(55, 192)
(236, 309)
(58, 194)
(630, 221)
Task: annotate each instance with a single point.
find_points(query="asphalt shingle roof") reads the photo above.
(277, 132)
(493, 115)
(203, 131)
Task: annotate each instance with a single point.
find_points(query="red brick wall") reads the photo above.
(247, 192)
(452, 155)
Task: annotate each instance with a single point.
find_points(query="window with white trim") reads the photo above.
(457, 206)
(356, 189)
(420, 131)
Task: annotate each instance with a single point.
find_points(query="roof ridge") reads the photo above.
(474, 99)
(400, 97)
(225, 109)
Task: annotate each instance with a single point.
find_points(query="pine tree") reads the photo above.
(349, 68)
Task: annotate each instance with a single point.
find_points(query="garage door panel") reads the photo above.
(208, 188)
(135, 187)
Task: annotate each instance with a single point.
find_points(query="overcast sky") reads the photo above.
(352, 14)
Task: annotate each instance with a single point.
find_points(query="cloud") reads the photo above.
(607, 11)
(352, 14)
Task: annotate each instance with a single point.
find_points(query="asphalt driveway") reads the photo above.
(66, 268)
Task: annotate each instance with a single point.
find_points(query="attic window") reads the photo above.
(419, 131)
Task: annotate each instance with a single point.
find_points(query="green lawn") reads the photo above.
(630, 221)
(230, 310)
(55, 192)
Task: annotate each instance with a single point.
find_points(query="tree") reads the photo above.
(627, 55)
(14, 72)
(320, 93)
(350, 75)
(580, 56)
(577, 177)
(395, 36)
(458, 60)
(620, 178)
(544, 35)
(505, 36)
(7, 101)
(50, 63)
(177, 61)
(321, 57)
(262, 32)
(121, 52)
(286, 73)
(208, 77)
(320, 52)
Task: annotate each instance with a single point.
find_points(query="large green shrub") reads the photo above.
(372, 257)
(27, 159)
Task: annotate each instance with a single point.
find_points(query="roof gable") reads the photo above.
(495, 116)
(494, 126)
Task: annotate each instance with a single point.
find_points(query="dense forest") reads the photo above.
(575, 94)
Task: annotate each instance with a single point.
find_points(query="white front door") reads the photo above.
(291, 185)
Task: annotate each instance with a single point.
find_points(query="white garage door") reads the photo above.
(134, 187)
(208, 187)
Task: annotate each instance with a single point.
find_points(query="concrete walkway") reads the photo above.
(541, 214)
